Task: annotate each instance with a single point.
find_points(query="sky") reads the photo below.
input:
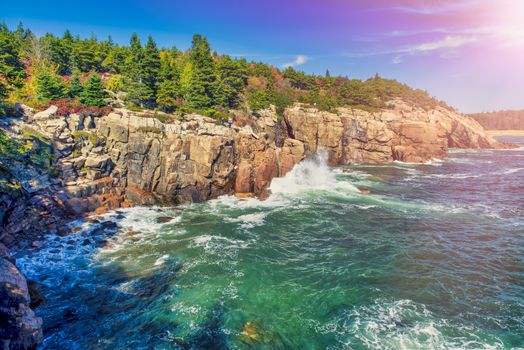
(469, 53)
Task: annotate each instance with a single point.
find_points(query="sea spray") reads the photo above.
(310, 175)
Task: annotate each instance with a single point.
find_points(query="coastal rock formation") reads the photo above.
(20, 329)
(403, 132)
(125, 158)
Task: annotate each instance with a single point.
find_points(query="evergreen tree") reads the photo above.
(115, 60)
(169, 81)
(75, 87)
(85, 54)
(58, 53)
(202, 87)
(93, 93)
(4, 92)
(232, 77)
(137, 90)
(11, 68)
(328, 75)
(48, 85)
(150, 69)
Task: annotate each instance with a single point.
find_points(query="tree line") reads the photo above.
(37, 70)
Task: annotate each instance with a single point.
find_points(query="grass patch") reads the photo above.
(163, 118)
(85, 135)
(152, 129)
(29, 133)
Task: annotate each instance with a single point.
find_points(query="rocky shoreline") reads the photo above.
(127, 158)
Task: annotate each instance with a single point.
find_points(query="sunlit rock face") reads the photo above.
(403, 132)
(125, 158)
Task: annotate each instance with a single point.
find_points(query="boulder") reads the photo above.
(20, 328)
(48, 113)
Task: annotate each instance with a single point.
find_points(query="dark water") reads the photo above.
(433, 258)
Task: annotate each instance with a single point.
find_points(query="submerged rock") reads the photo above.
(164, 219)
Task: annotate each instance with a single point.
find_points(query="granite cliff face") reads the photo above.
(124, 158)
(404, 133)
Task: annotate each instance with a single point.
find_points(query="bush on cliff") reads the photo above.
(49, 86)
(75, 86)
(93, 93)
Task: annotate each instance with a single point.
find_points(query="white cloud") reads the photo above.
(446, 44)
(449, 42)
(440, 7)
(299, 60)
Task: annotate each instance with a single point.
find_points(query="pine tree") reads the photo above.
(85, 54)
(58, 52)
(328, 75)
(93, 93)
(136, 88)
(202, 87)
(4, 92)
(150, 69)
(115, 60)
(169, 81)
(75, 87)
(232, 77)
(11, 68)
(49, 86)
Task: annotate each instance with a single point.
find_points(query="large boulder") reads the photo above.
(48, 113)
(20, 328)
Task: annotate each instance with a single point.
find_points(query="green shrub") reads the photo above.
(93, 93)
(163, 118)
(152, 129)
(258, 99)
(115, 83)
(85, 135)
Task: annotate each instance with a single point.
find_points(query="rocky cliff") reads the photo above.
(126, 158)
(405, 133)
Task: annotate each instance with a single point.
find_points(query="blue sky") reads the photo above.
(469, 53)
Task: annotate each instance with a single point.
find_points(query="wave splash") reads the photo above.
(310, 175)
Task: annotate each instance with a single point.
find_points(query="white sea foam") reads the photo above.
(400, 324)
(219, 244)
(161, 260)
(309, 175)
(248, 220)
(434, 162)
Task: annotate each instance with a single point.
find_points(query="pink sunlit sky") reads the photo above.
(469, 53)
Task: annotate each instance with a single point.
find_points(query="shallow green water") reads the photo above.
(432, 258)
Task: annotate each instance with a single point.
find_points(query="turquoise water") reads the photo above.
(432, 258)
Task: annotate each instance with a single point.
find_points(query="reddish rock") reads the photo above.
(243, 179)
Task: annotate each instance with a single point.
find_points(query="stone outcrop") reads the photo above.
(403, 132)
(127, 159)
(20, 329)
(124, 158)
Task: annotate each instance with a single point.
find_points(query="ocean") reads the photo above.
(431, 258)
